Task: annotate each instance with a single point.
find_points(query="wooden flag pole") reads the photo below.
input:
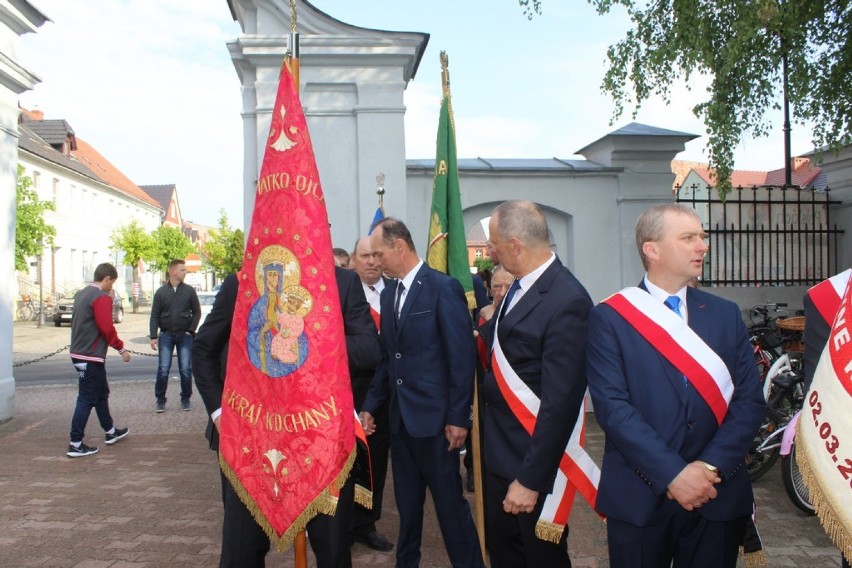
(478, 493)
(300, 544)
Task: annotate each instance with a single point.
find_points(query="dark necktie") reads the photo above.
(516, 285)
(371, 287)
(400, 287)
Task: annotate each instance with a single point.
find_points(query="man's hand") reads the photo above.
(125, 356)
(367, 423)
(455, 436)
(693, 486)
(154, 344)
(519, 499)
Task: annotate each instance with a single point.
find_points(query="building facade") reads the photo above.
(91, 197)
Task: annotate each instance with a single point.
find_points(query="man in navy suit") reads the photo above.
(364, 520)
(427, 378)
(541, 330)
(673, 485)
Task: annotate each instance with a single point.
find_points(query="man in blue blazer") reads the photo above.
(541, 329)
(673, 485)
(427, 378)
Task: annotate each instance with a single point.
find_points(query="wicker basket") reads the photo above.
(793, 328)
(796, 323)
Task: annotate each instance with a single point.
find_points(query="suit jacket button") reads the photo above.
(399, 381)
(689, 424)
(399, 355)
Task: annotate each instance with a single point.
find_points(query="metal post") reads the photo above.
(788, 174)
(40, 307)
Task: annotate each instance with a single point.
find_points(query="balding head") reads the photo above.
(518, 232)
(524, 221)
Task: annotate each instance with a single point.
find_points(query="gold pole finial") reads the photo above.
(293, 16)
(445, 73)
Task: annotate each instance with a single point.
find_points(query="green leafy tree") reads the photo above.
(483, 264)
(740, 46)
(223, 251)
(171, 244)
(530, 7)
(32, 233)
(137, 244)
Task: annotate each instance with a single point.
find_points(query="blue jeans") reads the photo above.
(166, 344)
(92, 392)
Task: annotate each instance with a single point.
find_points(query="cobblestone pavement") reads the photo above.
(153, 499)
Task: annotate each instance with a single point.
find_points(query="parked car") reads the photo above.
(65, 308)
(206, 300)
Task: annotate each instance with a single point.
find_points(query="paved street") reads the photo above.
(153, 499)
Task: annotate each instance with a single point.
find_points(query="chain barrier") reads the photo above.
(61, 349)
(132, 352)
(43, 357)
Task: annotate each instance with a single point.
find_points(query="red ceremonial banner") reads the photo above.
(287, 437)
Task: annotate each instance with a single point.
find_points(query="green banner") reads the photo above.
(447, 250)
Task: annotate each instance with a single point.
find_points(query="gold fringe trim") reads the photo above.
(364, 497)
(322, 503)
(551, 532)
(829, 516)
(756, 559)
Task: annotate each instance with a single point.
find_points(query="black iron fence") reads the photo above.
(766, 236)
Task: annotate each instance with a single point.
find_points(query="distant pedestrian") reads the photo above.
(92, 331)
(175, 313)
(341, 257)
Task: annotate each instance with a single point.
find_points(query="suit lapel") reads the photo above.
(530, 299)
(411, 295)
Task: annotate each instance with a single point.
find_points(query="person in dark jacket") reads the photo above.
(175, 313)
(92, 332)
(244, 543)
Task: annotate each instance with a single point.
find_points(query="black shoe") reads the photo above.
(117, 435)
(470, 487)
(161, 407)
(80, 451)
(375, 541)
(185, 405)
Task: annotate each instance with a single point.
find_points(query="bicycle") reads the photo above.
(783, 390)
(764, 337)
(26, 309)
(794, 482)
(30, 311)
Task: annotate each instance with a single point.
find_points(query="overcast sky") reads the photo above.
(151, 86)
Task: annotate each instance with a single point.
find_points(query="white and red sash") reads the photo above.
(577, 471)
(690, 355)
(826, 295)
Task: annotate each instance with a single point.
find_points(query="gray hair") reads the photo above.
(651, 224)
(524, 221)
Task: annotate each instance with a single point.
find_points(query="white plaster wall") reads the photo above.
(17, 19)
(351, 87)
